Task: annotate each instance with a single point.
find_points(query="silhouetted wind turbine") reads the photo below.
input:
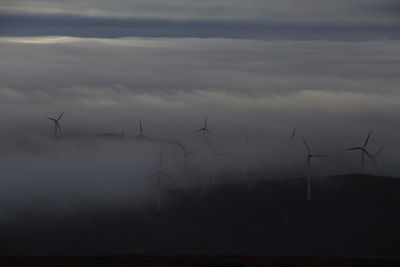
(307, 166)
(204, 130)
(57, 128)
(160, 174)
(363, 149)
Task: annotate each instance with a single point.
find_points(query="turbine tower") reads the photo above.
(204, 129)
(364, 151)
(57, 128)
(307, 166)
(159, 174)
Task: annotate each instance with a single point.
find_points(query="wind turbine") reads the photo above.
(204, 130)
(364, 151)
(160, 174)
(57, 128)
(307, 166)
(186, 152)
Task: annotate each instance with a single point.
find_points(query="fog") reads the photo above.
(332, 92)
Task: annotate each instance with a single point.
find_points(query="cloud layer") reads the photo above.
(333, 91)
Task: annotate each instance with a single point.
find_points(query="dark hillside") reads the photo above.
(349, 216)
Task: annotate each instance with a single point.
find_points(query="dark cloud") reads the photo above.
(103, 27)
(347, 11)
(339, 20)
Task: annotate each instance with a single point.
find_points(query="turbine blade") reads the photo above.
(52, 119)
(293, 134)
(208, 131)
(180, 145)
(368, 154)
(205, 122)
(140, 127)
(366, 140)
(59, 117)
(209, 145)
(58, 126)
(379, 150)
(355, 148)
(306, 145)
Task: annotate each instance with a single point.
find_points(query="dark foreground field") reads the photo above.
(188, 261)
(350, 216)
